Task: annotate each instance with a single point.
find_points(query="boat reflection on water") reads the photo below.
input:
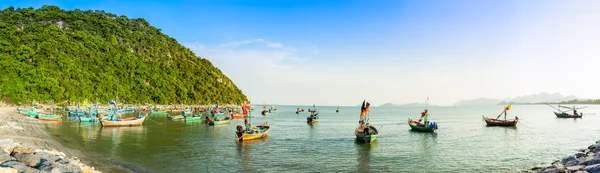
(244, 151)
(364, 155)
(427, 140)
(86, 129)
(52, 124)
(116, 135)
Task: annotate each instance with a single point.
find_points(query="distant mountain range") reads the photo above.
(415, 104)
(526, 99)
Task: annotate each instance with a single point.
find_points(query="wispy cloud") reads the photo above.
(236, 44)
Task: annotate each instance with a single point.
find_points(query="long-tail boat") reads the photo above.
(424, 127)
(564, 114)
(501, 122)
(51, 116)
(133, 121)
(365, 132)
(251, 133)
(313, 117)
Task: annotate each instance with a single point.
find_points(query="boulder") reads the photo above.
(21, 167)
(578, 155)
(8, 170)
(592, 168)
(7, 145)
(572, 163)
(21, 149)
(58, 167)
(565, 160)
(575, 168)
(31, 160)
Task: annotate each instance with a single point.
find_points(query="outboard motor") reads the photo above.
(239, 132)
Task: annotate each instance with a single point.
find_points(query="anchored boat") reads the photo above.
(499, 122)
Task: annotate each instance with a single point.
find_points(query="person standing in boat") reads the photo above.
(364, 110)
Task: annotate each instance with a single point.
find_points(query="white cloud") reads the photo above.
(245, 42)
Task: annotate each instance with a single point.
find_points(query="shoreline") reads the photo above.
(585, 160)
(27, 147)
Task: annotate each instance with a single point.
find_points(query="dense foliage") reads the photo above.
(54, 54)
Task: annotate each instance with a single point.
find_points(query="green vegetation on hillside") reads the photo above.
(577, 101)
(53, 54)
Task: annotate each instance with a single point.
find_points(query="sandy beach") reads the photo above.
(28, 133)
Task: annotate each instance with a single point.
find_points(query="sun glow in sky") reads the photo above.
(341, 52)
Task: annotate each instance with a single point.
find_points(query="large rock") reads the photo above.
(7, 145)
(572, 163)
(592, 168)
(21, 167)
(21, 149)
(575, 168)
(565, 160)
(58, 167)
(31, 160)
(8, 170)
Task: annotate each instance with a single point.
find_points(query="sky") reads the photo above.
(341, 52)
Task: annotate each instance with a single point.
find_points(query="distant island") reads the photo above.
(574, 101)
(540, 98)
(75, 55)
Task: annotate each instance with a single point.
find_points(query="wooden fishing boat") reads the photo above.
(238, 116)
(313, 117)
(44, 117)
(429, 127)
(366, 134)
(256, 132)
(218, 122)
(499, 122)
(193, 118)
(133, 121)
(158, 112)
(33, 114)
(566, 115)
(265, 112)
(563, 114)
(87, 119)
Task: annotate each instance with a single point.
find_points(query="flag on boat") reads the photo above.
(112, 102)
(508, 107)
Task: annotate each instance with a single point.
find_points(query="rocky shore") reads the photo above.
(26, 147)
(586, 160)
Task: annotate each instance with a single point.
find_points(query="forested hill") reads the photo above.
(54, 54)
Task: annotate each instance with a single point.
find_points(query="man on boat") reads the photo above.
(364, 110)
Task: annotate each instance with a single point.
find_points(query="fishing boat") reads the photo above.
(313, 117)
(45, 117)
(255, 132)
(564, 114)
(365, 132)
(193, 118)
(424, 127)
(238, 116)
(218, 122)
(133, 121)
(273, 109)
(251, 133)
(178, 117)
(501, 122)
(87, 119)
(265, 111)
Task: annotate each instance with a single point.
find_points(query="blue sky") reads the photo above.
(340, 52)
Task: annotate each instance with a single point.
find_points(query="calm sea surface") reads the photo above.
(462, 144)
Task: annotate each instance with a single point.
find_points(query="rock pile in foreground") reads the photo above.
(586, 160)
(16, 158)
